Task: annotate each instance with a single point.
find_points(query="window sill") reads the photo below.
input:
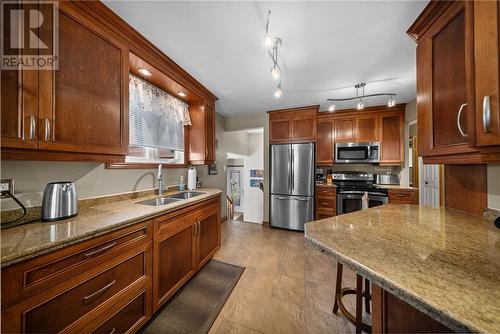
(141, 165)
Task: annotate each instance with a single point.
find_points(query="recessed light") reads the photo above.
(181, 94)
(144, 72)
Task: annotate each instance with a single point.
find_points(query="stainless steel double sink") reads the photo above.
(170, 198)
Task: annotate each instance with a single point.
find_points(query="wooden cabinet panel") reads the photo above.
(129, 317)
(344, 130)
(175, 259)
(403, 196)
(208, 236)
(19, 108)
(326, 202)
(487, 71)
(391, 139)
(293, 125)
(84, 104)
(367, 128)
(324, 142)
(210, 131)
(201, 133)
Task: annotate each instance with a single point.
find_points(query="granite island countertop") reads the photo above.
(32, 239)
(441, 261)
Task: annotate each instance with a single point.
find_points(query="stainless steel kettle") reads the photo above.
(59, 201)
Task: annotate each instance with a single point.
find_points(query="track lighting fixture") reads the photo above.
(360, 97)
(272, 43)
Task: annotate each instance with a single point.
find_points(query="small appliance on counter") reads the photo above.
(320, 175)
(386, 179)
(191, 185)
(59, 201)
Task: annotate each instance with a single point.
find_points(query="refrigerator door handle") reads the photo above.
(293, 172)
(301, 199)
(282, 198)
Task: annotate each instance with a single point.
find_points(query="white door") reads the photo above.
(235, 187)
(429, 184)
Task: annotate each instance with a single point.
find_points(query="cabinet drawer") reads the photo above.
(326, 191)
(403, 196)
(23, 280)
(326, 203)
(129, 317)
(72, 305)
(325, 213)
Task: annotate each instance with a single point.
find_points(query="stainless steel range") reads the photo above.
(351, 187)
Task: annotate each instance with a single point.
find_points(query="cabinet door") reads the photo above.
(280, 130)
(344, 130)
(487, 70)
(19, 107)
(208, 236)
(210, 134)
(445, 83)
(175, 260)
(304, 128)
(367, 128)
(392, 143)
(83, 104)
(324, 142)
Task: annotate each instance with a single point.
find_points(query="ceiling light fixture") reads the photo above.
(181, 94)
(361, 105)
(144, 71)
(272, 43)
(278, 92)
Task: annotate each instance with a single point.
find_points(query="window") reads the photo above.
(157, 120)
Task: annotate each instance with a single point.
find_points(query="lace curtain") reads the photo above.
(157, 119)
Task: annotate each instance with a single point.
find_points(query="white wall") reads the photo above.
(493, 178)
(253, 197)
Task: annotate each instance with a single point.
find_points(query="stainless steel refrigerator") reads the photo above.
(292, 185)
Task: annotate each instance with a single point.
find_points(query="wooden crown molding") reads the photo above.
(142, 47)
(316, 106)
(430, 14)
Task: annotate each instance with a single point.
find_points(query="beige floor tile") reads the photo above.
(326, 323)
(248, 309)
(289, 289)
(229, 327)
(257, 280)
(320, 296)
(284, 317)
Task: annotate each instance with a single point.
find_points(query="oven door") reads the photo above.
(350, 201)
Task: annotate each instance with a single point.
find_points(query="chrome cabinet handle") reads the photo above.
(98, 292)
(486, 114)
(32, 127)
(458, 120)
(100, 250)
(199, 227)
(113, 331)
(47, 129)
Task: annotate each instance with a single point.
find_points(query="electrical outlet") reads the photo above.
(7, 185)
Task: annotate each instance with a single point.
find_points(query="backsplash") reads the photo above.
(362, 168)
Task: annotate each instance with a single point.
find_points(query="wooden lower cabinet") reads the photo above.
(326, 202)
(403, 196)
(112, 283)
(184, 241)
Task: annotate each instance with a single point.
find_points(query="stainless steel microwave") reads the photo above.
(357, 153)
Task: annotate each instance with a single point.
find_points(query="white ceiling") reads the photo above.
(327, 48)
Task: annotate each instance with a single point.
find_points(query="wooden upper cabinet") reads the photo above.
(324, 142)
(392, 139)
(345, 130)
(19, 107)
(367, 128)
(487, 72)
(84, 104)
(202, 133)
(293, 125)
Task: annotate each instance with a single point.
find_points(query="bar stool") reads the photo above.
(340, 292)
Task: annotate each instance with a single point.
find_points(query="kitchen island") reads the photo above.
(442, 263)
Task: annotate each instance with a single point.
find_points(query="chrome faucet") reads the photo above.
(159, 177)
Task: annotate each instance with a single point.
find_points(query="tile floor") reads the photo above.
(287, 286)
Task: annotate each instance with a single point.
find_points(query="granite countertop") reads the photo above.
(332, 185)
(441, 261)
(29, 240)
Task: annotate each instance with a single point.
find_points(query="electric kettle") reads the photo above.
(59, 201)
